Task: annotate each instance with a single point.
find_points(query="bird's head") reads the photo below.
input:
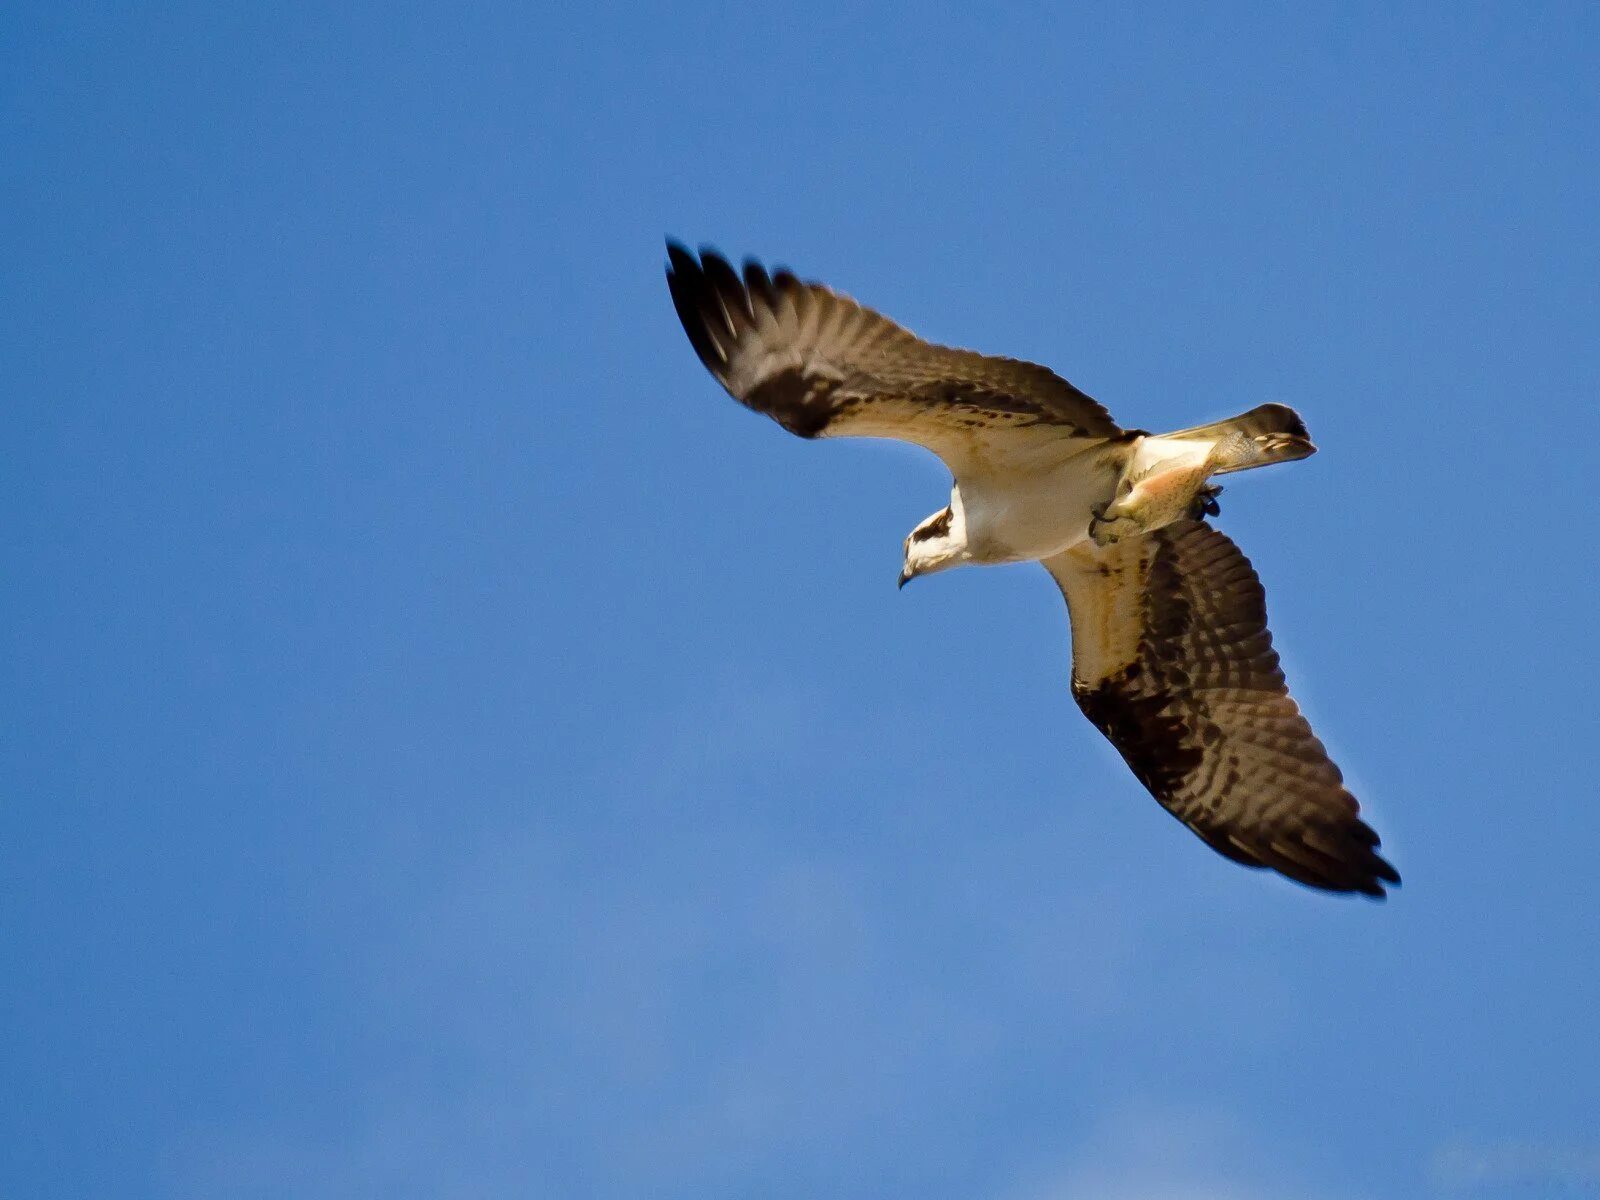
(935, 545)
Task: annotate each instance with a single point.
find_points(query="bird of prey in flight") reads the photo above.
(1171, 658)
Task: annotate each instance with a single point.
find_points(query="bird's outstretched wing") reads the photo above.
(1172, 661)
(822, 365)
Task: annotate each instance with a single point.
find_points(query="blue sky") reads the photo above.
(449, 749)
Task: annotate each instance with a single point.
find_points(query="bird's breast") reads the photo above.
(1015, 518)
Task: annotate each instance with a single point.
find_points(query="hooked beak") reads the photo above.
(906, 576)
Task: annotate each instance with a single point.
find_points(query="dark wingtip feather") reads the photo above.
(1378, 869)
(680, 258)
(759, 284)
(1372, 873)
(1385, 871)
(695, 301)
(1365, 871)
(729, 289)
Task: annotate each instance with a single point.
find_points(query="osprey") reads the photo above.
(1171, 658)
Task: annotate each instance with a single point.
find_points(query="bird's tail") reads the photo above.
(1272, 433)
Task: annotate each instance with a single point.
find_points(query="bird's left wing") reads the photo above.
(822, 365)
(1172, 661)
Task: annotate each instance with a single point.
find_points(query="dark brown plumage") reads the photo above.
(822, 365)
(1172, 661)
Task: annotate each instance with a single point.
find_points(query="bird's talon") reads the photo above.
(1100, 526)
(1205, 502)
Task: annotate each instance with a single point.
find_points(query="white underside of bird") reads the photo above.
(1101, 492)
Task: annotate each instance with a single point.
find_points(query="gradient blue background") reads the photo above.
(449, 749)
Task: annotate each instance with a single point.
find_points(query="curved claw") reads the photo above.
(1097, 518)
(1099, 522)
(1205, 502)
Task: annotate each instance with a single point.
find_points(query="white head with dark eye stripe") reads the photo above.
(937, 544)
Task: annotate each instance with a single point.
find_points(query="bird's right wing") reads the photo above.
(1172, 661)
(822, 365)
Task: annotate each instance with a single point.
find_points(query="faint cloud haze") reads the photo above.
(1466, 1165)
(734, 981)
(1162, 1152)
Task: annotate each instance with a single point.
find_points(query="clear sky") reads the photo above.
(449, 749)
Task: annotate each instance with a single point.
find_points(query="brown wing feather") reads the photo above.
(1172, 661)
(822, 365)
